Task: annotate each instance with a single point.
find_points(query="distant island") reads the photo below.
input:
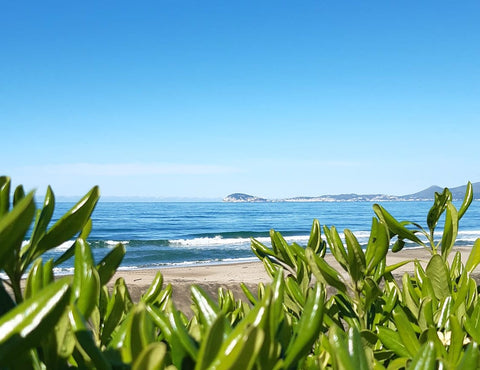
(427, 194)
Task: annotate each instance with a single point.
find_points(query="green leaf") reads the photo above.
(438, 207)
(425, 358)
(25, 326)
(13, 227)
(64, 338)
(340, 350)
(180, 331)
(395, 226)
(211, 343)
(474, 257)
(324, 272)
(406, 332)
(377, 247)
(356, 349)
(467, 200)
(34, 279)
(4, 195)
(294, 291)
(456, 341)
(472, 324)
(69, 224)
(410, 295)
(42, 220)
(243, 354)
(308, 328)
(260, 250)
(116, 310)
(425, 314)
(109, 264)
(444, 312)
(250, 296)
(18, 195)
(356, 258)
(85, 340)
(456, 267)
(437, 272)
(207, 309)
(336, 246)
(398, 245)
(450, 230)
(470, 358)
(279, 243)
(395, 266)
(154, 289)
(153, 357)
(141, 331)
(315, 241)
(86, 283)
(419, 272)
(391, 340)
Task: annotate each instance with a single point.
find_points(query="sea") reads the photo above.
(172, 234)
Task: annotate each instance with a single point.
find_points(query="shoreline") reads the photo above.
(229, 275)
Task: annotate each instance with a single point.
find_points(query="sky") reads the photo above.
(200, 99)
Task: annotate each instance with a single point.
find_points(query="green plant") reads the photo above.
(310, 316)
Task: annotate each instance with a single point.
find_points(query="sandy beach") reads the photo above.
(212, 277)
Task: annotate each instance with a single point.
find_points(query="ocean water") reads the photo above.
(163, 234)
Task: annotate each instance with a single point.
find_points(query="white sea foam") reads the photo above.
(60, 271)
(113, 243)
(215, 241)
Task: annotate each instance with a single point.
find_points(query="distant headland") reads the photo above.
(427, 194)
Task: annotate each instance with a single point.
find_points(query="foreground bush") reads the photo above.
(368, 319)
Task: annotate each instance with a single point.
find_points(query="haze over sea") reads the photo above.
(166, 234)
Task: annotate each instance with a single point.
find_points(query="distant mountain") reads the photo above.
(427, 194)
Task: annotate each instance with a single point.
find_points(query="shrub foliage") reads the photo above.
(313, 315)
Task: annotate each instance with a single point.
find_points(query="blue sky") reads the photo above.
(201, 99)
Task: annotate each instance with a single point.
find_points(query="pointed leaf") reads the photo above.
(474, 257)
(13, 227)
(207, 309)
(24, 326)
(336, 246)
(324, 272)
(44, 217)
(109, 264)
(395, 226)
(356, 258)
(391, 340)
(425, 358)
(470, 358)
(154, 289)
(4, 195)
(315, 240)
(308, 328)
(467, 200)
(438, 207)
(357, 350)
(377, 246)
(406, 332)
(211, 343)
(153, 357)
(450, 230)
(70, 223)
